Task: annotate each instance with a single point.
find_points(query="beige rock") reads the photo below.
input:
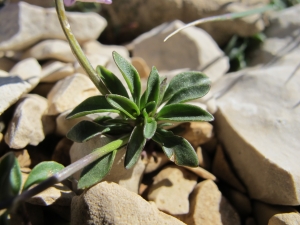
(69, 92)
(141, 66)
(203, 173)
(51, 49)
(197, 133)
(26, 69)
(55, 195)
(95, 60)
(3, 73)
(26, 126)
(23, 158)
(155, 161)
(171, 188)
(1, 137)
(222, 169)
(23, 29)
(109, 203)
(204, 158)
(209, 207)
(96, 48)
(285, 219)
(264, 212)
(54, 71)
(198, 50)
(128, 178)
(49, 124)
(152, 13)
(61, 152)
(260, 104)
(6, 64)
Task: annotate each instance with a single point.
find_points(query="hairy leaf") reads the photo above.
(189, 93)
(112, 82)
(95, 104)
(162, 89)
(85, 130)
(10, 177)
(183, 113)
(96, 171)
(152, 92)
(130, 75)
(41, 172)
(176, 148)
(125, 105)
(150, 126)
(185, 80)
(135, 146)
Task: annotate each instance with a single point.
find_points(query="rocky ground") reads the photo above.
(249, 156)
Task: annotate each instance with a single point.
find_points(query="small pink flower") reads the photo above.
(72, 2)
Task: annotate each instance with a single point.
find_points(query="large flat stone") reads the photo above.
(259, 115)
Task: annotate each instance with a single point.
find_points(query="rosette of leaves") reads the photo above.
(141, 116)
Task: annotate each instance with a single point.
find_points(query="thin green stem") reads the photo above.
(67, 172)
(76, 49)
(229, 16)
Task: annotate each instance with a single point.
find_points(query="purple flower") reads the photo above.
(71, 2)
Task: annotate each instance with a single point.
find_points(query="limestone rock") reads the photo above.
(23, 158)
(1, 137)
(204, 158)
(209, 207)
(19, 29)
(151, 14)
(95, 60)
(51, 49)
(197, 50)
(203, 173)
(109, 203)
(54, 71)
(222, 169)
(23, 77)
(26, 126)
(3, 73)
(155, 161)
(128, 178)
(58, 194)
(171, 188)
(261, 104)
(285, 219)
(69, 92)
(141, 66)
(197, 133)
(263, 213)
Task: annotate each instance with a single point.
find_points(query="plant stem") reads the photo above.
(66, 172)
(76, 49)
(228, 16)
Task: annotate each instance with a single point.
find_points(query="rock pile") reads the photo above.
(248, 161)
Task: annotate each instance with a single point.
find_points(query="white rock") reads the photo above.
(69, 92)
(54, 71)
(171, 188)
(258, 120)
(51, 49)
(285, 219)
(95, 60)
(19, 29)
(109, 203)
(26, 126)
(3, 73)
(128, 178)
(196, 51)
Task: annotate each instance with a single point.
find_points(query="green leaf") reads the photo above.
(152, 92)
(111, 81)
(188, 94)
(135, 146)
(162, 89)
(85, 130)
(130, 75)
(41, 172)
(185, 80)
(176, 148)
(124, 105)
(10, 176)
(183, 113)
(150, 126)
(101, 119)
(95, 104)
(96, 171)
